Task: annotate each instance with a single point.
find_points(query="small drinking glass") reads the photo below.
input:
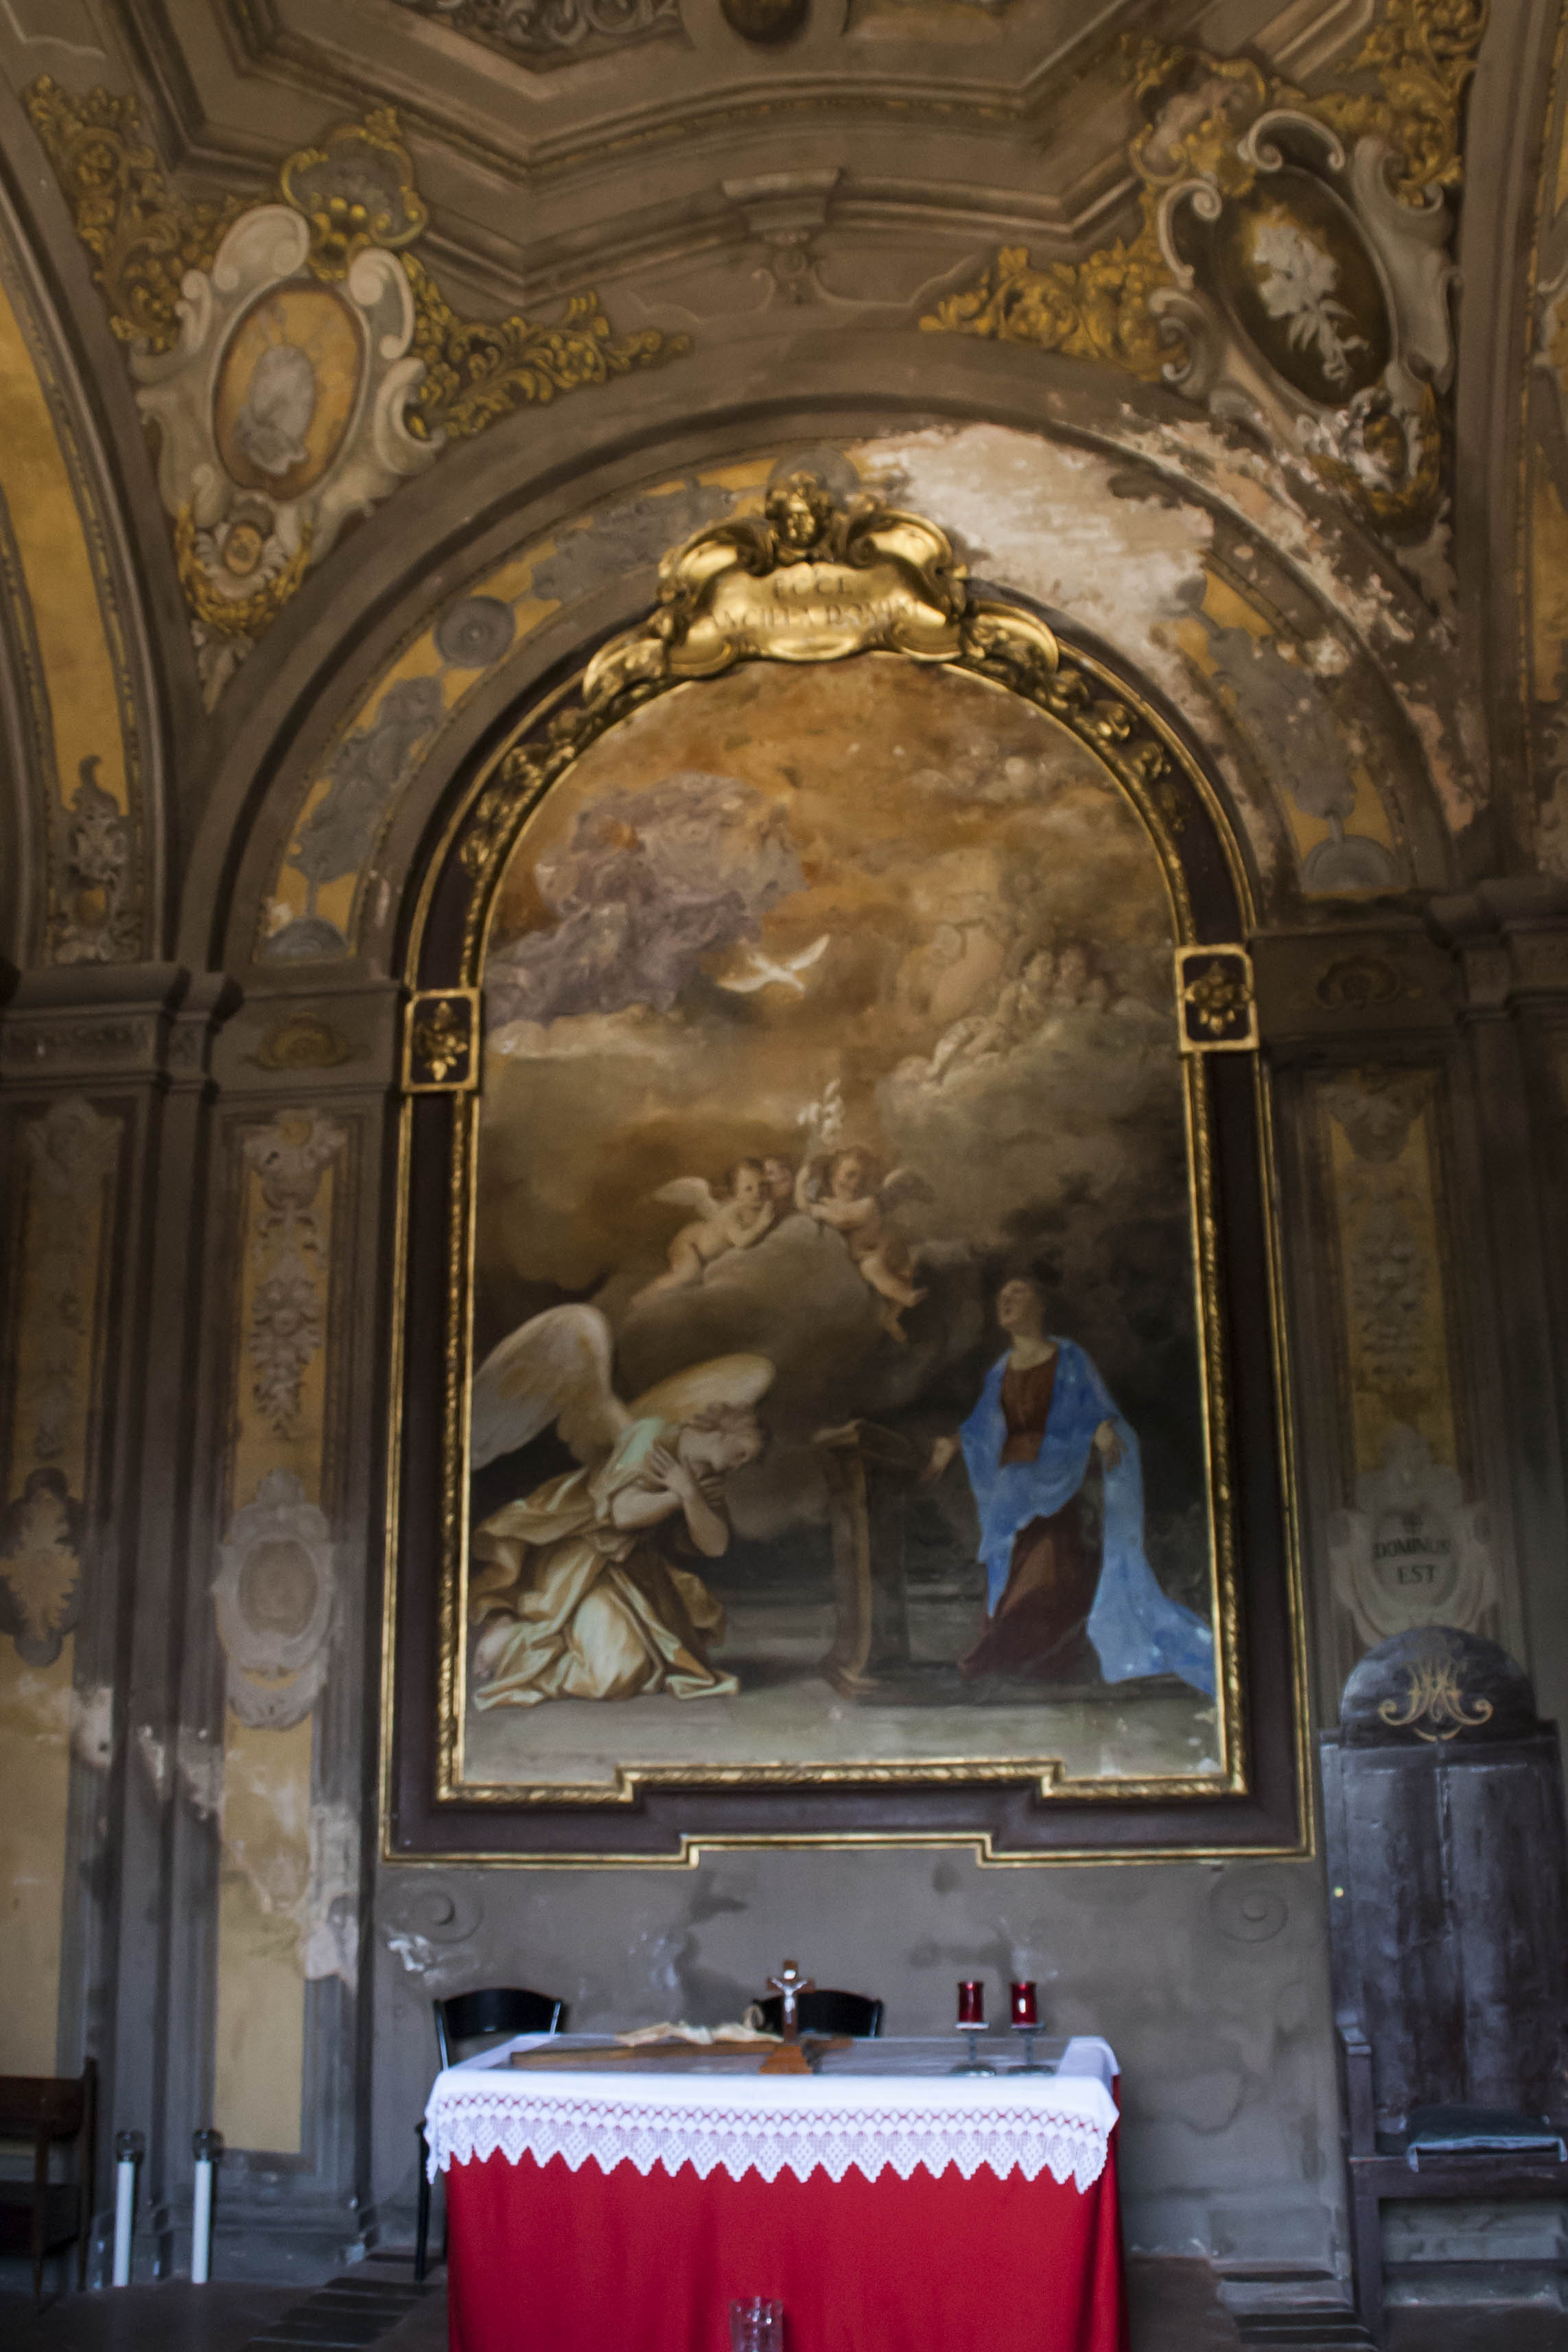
(756, 2325)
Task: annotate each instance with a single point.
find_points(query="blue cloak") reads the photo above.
(1136, 1628)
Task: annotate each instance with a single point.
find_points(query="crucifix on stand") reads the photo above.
(790, 1984)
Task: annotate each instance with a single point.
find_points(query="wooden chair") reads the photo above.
(1448, 1934)
(466, 2023)
(48, 2109)
(825, 2012)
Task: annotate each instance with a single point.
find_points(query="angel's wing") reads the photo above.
(555, 1367)
(694, 1192)
(900, 1186)
(722, 1380)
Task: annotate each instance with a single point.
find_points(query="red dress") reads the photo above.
(1040, 1629)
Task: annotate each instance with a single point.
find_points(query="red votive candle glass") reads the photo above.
(972, 2003)
(1024, 2008)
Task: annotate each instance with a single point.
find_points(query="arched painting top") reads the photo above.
(1337, 773)
(845, 983)
(813, 580)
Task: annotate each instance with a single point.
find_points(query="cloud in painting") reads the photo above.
(647, 885)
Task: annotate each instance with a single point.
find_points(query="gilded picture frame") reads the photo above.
(514, 1730)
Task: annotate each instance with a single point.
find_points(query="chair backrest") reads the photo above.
(45, 2106)
(493, 2014)
(1447, 1856)
(826, 2013)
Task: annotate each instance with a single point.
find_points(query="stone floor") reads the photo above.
(1176, 2307)
(180, 2317)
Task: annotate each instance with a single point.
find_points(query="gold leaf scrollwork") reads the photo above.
(477, 370)
(1407, 85)
(1421, 54)
(234, 617)
(356, 189)
(142, 237)
(1434, 1696)
(1093, 310)
(1098, 309)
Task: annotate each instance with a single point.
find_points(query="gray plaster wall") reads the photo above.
(1209, 1980)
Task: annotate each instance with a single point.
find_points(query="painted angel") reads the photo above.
(849, 1192)
(580, 1588)
(729, 1220)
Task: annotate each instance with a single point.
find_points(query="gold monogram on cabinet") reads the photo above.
(839, 1391)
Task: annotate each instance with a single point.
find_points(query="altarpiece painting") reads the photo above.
(841, 1421)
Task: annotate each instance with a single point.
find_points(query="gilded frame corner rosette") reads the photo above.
(813, 580)
(1216, 1005)
(442, 1042)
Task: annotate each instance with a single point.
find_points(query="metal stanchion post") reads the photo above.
(206, 2146)
(129, 2148)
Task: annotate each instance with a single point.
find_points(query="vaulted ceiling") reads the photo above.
(733, 226)
(615, 135)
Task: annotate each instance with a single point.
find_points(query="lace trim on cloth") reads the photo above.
(479, 2122)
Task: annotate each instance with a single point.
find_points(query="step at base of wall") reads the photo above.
(1336, 2330)
(346, 2313)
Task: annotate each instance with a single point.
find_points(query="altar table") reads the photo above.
(890, 2205)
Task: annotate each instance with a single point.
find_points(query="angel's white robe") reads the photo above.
(599, 1611)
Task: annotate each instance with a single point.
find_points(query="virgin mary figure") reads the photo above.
(584, 1588)
(1053, 1599)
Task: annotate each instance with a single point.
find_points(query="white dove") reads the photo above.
(765, 970)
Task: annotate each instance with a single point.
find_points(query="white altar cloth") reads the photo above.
(883, 2104)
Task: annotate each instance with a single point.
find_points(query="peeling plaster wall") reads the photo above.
(1165, 569)
(265, 1822)
(62, 1169)
(35, 1772)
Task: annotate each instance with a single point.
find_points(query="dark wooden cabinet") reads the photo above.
(1447, 1862)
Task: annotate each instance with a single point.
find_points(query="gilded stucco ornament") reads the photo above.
(297, 360)
(1290, 270)
(93, 917)
(144, 238)
(811, 578)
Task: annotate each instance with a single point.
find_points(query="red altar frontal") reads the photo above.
(887, 2205)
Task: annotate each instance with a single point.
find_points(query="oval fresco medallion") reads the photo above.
(1302, 284)
(288, 389)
